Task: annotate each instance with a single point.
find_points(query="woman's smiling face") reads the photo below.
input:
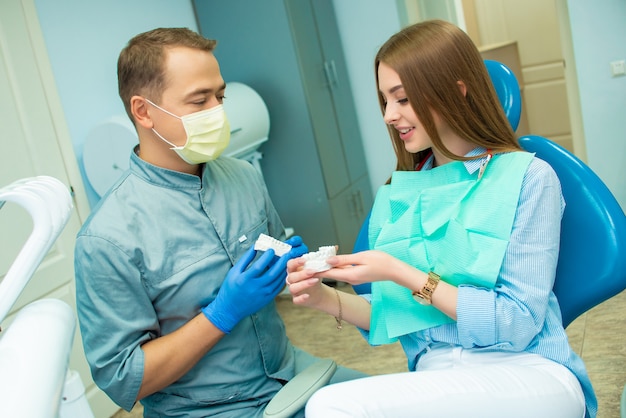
(398, 111)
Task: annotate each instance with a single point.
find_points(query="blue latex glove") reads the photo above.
(249, 287)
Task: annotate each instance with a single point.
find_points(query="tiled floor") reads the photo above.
(599, 336)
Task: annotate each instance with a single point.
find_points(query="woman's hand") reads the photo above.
(304, 285)
(362, 267)
(307, 289)
(376, 266)
(365, 267)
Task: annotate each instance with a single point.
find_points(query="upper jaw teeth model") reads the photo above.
(265, 242)
(315, 260)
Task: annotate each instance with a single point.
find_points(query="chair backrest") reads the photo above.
(507, 89)
(592, 256)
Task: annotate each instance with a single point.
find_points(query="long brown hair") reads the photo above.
(430, 58)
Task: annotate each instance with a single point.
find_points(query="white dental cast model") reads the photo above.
(317, 260)
(265, 242)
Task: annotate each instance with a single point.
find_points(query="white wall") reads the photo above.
(598, 34)
(84, 39)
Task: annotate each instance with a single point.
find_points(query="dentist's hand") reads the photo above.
(249, 287)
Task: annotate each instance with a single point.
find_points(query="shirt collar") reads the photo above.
(162, 176)
(470, 165)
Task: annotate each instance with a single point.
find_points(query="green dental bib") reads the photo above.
(444, 220)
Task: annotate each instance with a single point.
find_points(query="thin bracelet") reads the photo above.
(338, 318)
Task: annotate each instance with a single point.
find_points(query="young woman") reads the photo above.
(464, 245)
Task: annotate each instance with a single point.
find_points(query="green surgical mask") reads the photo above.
(208, 134)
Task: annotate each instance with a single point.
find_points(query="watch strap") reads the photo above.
(424, 296)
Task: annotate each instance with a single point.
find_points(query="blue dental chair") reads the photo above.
(590, 269)
(592, 258)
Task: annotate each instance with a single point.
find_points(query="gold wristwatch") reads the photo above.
(425, 295)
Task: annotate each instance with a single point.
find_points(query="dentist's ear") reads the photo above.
(462, 87)
(139, 109)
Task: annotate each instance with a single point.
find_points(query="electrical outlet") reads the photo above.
(618, 68)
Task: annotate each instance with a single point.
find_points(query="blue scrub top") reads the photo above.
(153, 252)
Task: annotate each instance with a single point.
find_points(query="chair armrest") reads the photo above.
(294, 395)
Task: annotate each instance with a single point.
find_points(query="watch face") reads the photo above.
(421, 299)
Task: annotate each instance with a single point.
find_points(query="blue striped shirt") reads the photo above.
(521, 313)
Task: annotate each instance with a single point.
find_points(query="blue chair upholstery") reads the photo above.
(507, 88)
(362, 244)
(592, 264)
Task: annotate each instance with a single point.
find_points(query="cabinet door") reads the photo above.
(329, 96)
(339, 85)
(349, 209)
(317, 76)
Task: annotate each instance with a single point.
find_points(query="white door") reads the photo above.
(34, 141)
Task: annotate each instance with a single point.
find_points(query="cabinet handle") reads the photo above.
(354, 213)
(331, 73)
(357, 204)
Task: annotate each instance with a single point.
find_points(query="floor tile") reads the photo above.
(604, 351)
